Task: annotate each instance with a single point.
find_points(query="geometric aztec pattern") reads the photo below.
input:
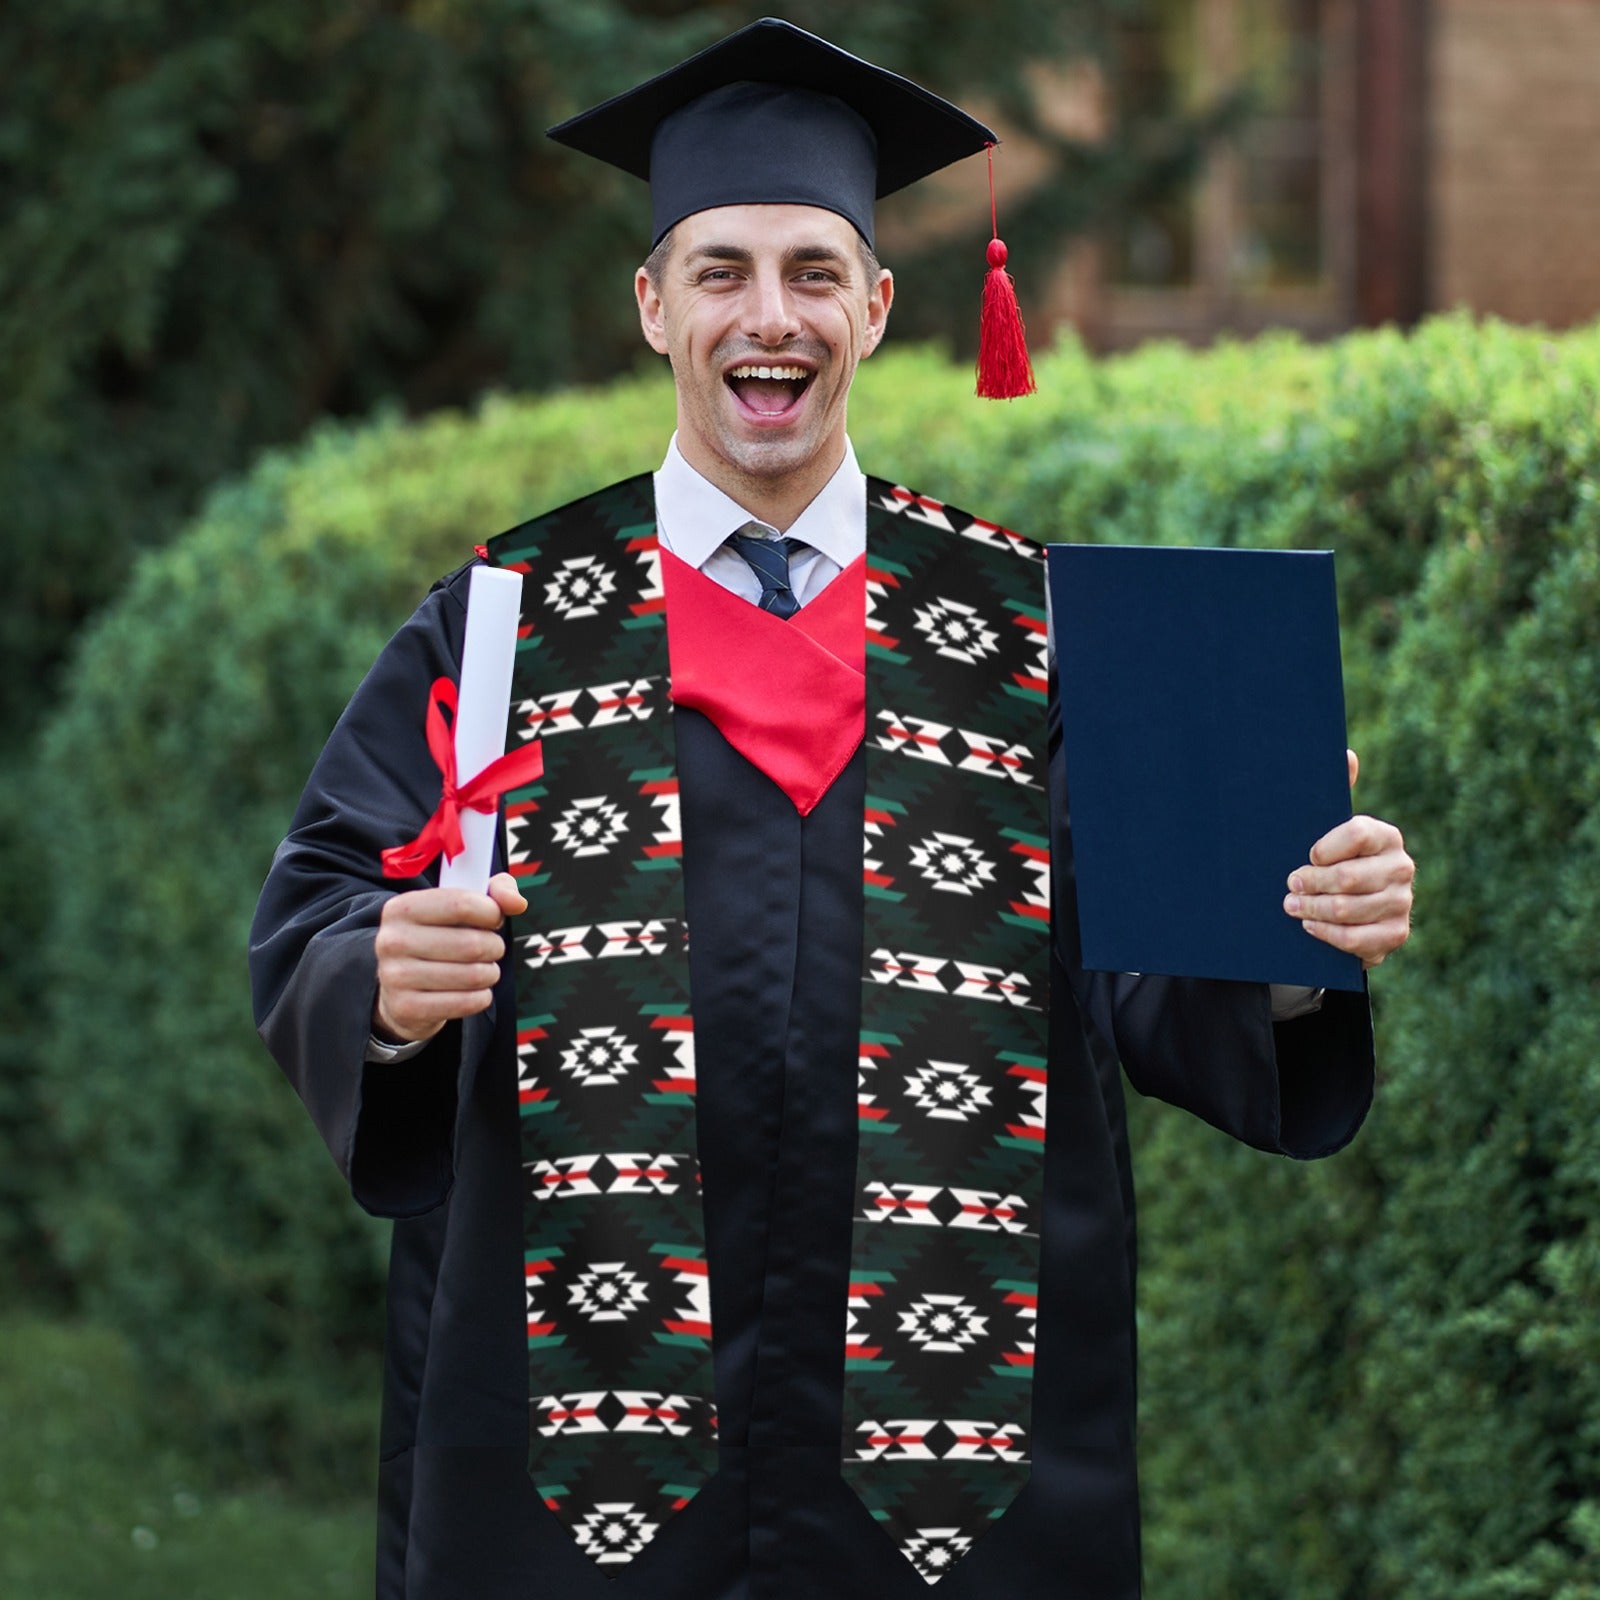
(938, 1347)
(944, 1271)
(622, 1416)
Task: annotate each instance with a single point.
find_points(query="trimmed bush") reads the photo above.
(1369, 1378)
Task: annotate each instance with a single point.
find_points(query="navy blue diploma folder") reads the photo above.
(1202, 713)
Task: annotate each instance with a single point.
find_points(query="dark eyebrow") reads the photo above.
(818, 254)
(796, 255)
(720, 252)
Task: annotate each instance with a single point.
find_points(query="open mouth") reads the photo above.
(769, 391)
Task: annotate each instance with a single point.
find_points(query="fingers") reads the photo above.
(1352, 878)
(438, 957)
(425, 941)
(1360, 836)
(1373, 905)
(1353, 761)
(411, 1015)
(451, 908)
(1356, 892)
(1372, 942)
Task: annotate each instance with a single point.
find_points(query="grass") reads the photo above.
(92, 1504)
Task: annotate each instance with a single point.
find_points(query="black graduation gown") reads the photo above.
(433, 1143)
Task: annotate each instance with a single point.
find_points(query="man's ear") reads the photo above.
(652, 315)
(878, 303)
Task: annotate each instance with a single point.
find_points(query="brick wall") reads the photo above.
(1515, 158)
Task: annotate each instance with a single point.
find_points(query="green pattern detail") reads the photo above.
(1033, 840)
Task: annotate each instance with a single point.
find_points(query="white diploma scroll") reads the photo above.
(494, 610)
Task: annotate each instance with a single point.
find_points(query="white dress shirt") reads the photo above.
(693, 520)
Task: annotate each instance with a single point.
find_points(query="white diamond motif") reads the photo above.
(608, 1292)
(943, 1324)
(948, 1091)
(579, 587)
(952, 864)
(590, 827)
(613, 1531)
(934, 1551)
(957, 631)
(598, 1057)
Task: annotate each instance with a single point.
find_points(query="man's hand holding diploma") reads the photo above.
(1355, 892)
(439, 950)
(439, 954)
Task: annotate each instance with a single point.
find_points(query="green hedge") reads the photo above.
(1371, 1378)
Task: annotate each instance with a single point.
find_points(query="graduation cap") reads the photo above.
(773, 115)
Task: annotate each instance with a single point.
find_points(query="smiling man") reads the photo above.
(744, 1267)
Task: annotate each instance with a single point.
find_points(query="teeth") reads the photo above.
(798, 374)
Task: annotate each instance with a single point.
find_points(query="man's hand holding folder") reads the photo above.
(1355, 892)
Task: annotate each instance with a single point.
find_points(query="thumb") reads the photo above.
(1354, 762)
(504, 892)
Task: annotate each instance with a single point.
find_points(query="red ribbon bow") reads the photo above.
(442, 831)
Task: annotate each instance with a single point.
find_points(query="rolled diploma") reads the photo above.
(494, 612)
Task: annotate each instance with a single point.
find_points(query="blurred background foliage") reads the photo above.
(258, 267)
(218, 224)
(1372, 1377)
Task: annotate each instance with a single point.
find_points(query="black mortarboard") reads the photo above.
(774, 115)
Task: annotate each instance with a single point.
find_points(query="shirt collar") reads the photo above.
(696, 517)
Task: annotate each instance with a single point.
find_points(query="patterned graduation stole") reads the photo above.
(938, 1354)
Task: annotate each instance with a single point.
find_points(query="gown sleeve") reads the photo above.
(313, 966)
(1299, 1088)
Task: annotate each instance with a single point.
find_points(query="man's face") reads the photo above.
(780, 290)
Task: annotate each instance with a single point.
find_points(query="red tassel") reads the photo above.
(1004, 370)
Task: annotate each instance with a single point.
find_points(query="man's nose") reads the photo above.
(772, 318)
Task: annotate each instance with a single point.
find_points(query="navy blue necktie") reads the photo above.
(769, 560)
